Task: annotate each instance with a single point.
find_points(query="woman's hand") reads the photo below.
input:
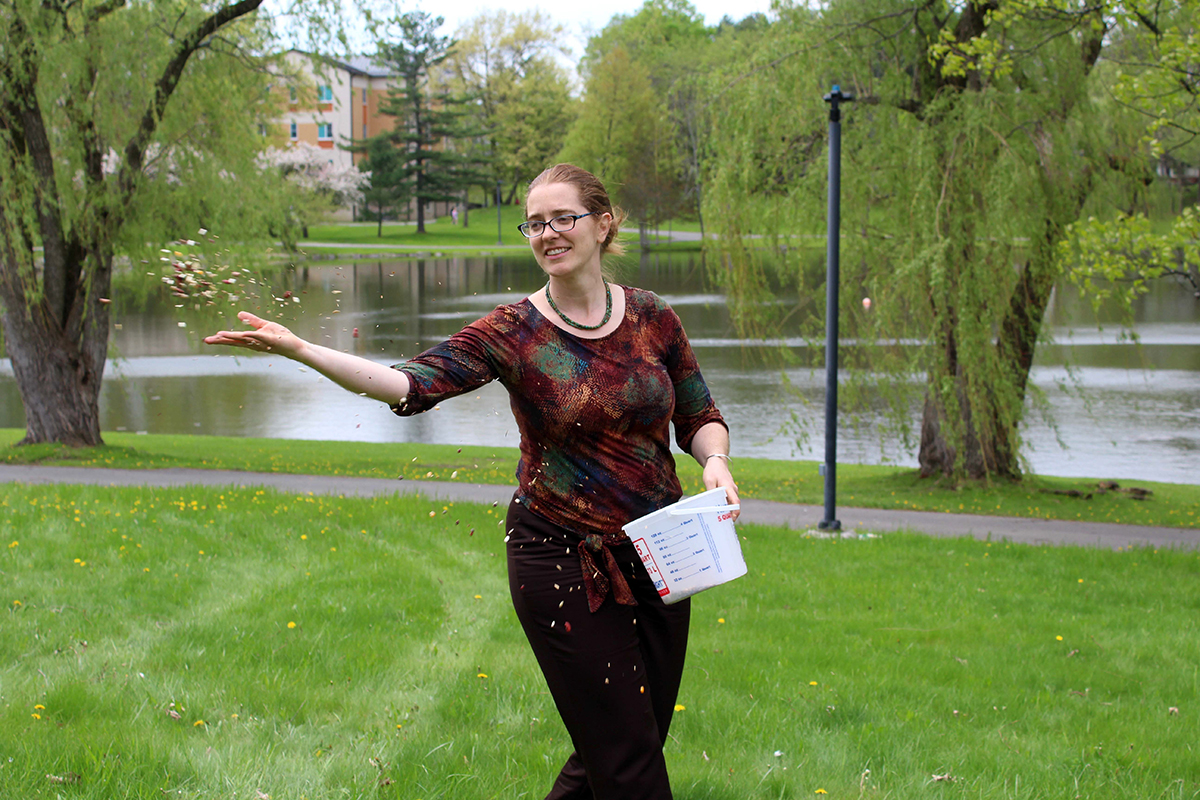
(264, 337)
(717, 475)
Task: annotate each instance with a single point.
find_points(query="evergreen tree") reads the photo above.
(433, 129)
(387, 191)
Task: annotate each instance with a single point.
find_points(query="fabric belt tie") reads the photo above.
(595, 581)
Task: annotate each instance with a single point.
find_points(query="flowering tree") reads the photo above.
(313, 187)
(309, 168)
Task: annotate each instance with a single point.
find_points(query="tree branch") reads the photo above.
(135, 150)
(97, 13)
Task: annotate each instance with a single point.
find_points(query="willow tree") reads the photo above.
(981, 132)
(109, 114)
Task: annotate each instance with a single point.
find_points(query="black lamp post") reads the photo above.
(829, 468)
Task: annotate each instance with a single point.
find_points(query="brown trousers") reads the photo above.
(614, 674)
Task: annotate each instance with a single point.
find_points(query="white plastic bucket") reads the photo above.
(689, 546)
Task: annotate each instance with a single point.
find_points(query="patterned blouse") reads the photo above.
(594, 414)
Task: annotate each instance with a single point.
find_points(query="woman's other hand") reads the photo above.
(717, 475)
(263, 337)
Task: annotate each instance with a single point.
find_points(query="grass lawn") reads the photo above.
(481, 234)
(1173, 505)
(199, 643)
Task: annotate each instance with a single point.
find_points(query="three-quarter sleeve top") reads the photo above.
(594, 414)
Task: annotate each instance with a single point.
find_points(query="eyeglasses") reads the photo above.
(534, 229)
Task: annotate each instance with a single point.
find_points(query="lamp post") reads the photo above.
(834, 222)
(499, 225)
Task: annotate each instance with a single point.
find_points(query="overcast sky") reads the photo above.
(582, 17)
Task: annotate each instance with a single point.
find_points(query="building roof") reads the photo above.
(366, 65)
(357, 65)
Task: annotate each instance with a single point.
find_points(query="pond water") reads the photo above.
(1124, 411)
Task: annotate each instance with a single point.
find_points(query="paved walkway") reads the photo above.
(765, 512)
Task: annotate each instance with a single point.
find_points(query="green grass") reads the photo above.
(480, 234)
(866, 486)
(151, 653)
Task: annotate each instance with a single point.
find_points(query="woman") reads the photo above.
(596, 373)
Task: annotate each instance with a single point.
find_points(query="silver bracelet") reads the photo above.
(717, 455)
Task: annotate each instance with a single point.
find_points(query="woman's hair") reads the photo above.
(594, 197)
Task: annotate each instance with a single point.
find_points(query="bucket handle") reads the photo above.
(687, 512)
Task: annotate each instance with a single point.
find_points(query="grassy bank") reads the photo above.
(1174, 505)
(240, 643)
(482, 234)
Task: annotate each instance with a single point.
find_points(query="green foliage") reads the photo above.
(620, 136)
(509, 62)
(1119, 257)
(388, 191)
(667, 58)
(978, 135)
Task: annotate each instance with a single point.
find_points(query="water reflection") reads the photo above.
(1142, 419)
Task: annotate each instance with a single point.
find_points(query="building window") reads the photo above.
(324, 94)
(325, 130)
(364, 97)
(294, 134)
(292, 95)
(365, 136)
(262, 129)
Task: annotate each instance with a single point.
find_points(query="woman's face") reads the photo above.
(569, 253)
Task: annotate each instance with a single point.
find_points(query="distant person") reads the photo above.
(454, 215)
(597, 374)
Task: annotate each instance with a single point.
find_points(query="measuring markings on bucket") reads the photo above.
(651, 565)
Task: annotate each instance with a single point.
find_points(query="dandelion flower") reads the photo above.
(291, 625)
(1058, 638)
(812, 683)
(198, 723)
(720, 620)
(481, 675)
(680, 707)
(39, 707)
(821, 791)
(37, 716)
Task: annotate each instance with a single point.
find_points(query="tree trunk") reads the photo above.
(938, 453)
(59, 368)
(991, 444)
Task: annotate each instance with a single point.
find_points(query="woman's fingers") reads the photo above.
(716, 475)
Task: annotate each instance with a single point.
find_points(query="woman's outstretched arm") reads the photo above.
(354, 373)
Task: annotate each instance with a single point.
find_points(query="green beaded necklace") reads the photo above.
(573, 323)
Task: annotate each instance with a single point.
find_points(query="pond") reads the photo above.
(1124, 411)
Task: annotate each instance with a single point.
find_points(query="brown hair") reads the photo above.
(594, 197)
